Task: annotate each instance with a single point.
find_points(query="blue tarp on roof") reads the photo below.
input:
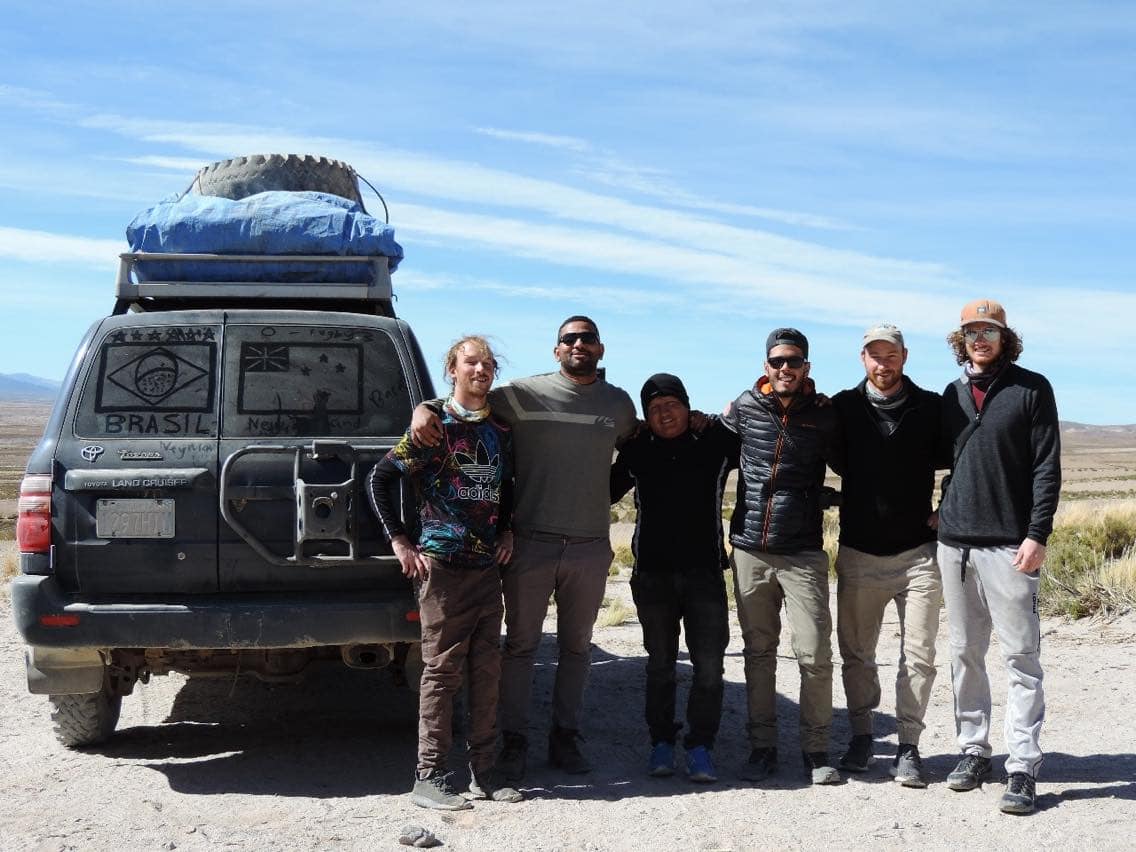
(277, 223)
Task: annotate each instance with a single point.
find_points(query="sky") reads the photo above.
(691, 176)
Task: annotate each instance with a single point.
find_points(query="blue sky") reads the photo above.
(690, 175)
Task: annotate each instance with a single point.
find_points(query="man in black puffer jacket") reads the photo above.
(892, 446)
(786, 439)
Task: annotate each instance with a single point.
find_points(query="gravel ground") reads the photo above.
(325, 764)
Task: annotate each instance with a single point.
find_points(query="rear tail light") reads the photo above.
(33, 526)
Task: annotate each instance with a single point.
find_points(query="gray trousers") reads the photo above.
(983, 591)
(574, 570)
(865, 584)
(762, 582)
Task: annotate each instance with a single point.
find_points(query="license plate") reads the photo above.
(134, 518)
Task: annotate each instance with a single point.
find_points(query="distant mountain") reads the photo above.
(1088, 435)
(24, 386)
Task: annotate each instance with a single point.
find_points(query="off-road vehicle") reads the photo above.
(195, 503)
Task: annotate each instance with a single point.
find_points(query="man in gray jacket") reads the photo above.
(566, 426)
(994, 520)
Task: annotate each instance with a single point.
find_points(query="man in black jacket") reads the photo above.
(679, 476)
(891, 430)
(778, 556)
(994, 520)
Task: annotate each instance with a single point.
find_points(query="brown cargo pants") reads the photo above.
(461, 610)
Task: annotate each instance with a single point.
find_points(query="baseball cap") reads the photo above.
(787, 337)
(984, 310)
(886, 332)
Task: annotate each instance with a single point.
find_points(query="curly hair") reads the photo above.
(1011, 345)
(478, 342)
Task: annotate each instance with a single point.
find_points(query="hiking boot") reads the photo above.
(761, 764)
(859, 755)
(661, 763)
(820, 768)
(489, 785)
(437, 791)
(700, 765)
(1021, 794)
(510, 764)
(564, 752)
(971, 771)
(907, 768)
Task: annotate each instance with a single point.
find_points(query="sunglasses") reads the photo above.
(987, 334)
(586, 337)
(793, 362)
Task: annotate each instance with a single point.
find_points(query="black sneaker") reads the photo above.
(907, 768)
(564, 751)
(761, 764)
(437, 791)
(514, 754)
(971, 771)
(820, 768)
(859, 755)
(489, 785)
(1021, 794)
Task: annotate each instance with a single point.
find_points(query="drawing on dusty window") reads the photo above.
(142, 376)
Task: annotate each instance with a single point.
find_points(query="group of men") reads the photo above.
(995, 429)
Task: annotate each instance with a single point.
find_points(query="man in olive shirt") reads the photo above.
(566, 427)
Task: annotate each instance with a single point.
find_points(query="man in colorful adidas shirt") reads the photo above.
(463, 488)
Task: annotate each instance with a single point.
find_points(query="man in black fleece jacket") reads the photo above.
(994, 520)
(678, 477)
(891, 448)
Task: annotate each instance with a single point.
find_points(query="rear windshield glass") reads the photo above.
(157, 381)
(299, 381)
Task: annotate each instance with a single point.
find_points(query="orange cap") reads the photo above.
(984, 310)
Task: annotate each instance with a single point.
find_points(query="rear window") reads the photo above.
(298, 381)
(157, 381)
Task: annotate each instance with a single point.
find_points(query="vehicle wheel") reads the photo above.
(241, 177)
(83, 720)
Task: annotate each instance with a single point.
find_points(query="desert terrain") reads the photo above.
(326, 763)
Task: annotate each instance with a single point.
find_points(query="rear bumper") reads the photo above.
(249, 621)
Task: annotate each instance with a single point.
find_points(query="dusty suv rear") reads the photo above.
(195, 503)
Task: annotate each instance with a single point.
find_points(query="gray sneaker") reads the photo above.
(971, 771)
(859, 755)
(1021, 794)
(820, 768)
(436, 791)
(907, 768)
(761, 764)
(490, 785)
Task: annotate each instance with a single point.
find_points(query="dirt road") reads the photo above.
(202, 765)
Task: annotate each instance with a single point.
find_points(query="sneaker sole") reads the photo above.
(702, 778)
(757, 776)
(967, 784)
(857, 767)
(423, 802)
(661, 772)
(1016, 808)
(912, 781)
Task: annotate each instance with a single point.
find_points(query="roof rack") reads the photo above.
(132, 287)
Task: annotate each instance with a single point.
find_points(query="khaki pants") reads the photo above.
(800, 580)
(461, 611)
(575, 571)
(866, 583)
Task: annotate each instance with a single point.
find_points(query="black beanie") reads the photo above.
(663, 384)
(787, 337)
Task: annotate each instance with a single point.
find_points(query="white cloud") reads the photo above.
(570, 143)
(46, 247)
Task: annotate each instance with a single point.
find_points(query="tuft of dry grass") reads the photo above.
(614, 612)
(1090, 567)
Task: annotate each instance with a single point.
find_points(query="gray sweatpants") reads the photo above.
(983, 591)
(865, 584)
(574, 570)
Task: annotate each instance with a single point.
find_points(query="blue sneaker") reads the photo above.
(661, 763)
(700, 766)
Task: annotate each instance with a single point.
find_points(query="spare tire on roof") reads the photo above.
(241, 177)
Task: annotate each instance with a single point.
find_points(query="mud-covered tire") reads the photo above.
(241, 177)
(83, 720)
